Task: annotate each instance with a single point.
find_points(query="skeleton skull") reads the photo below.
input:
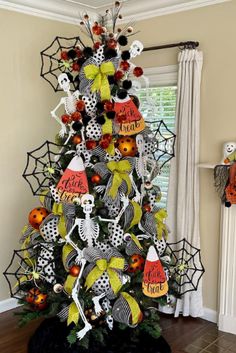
(229, 147)
(64, 82)
(87, 203)
(136, 48)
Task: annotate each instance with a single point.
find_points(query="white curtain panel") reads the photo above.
(183, 194)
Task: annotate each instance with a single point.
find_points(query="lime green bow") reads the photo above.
(120, 171)
(99, 76)
(111, 267)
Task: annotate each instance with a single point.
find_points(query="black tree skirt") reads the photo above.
(51, 337)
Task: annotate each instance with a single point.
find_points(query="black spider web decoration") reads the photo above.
(52, 64)
(186, 268)
(43, 166)
(165, 143)
(21, 266)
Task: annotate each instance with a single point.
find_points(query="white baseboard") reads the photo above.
(8, 304)
(210, 315)
(227, 324)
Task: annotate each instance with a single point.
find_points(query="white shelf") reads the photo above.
(207, 165)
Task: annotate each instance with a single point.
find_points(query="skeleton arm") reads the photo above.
(53, 114)
(125, 200)
(70, 241)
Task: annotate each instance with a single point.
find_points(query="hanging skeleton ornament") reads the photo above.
(69, 104)
(136, 48)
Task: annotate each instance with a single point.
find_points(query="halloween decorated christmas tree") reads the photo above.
(94, 251)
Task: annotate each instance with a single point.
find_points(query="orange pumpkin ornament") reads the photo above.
(127, 146)
(37, 216)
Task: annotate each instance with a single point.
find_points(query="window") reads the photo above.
(165, 102)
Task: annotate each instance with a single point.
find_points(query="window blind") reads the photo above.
(164, 99)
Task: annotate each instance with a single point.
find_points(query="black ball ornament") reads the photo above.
(127, 84)
(122, 40)
(71, 54)
(86, 119)
(100, 119)
(125, 55)
(111, 114)
(88, 52)
(77, 126)
(122, 93)
(110, 53)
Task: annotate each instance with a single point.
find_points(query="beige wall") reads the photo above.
(26, 100)
(23, 37)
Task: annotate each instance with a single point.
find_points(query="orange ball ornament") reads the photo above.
(40, 301)
(147, 207)
(127, 146)
(37, 216)
(76, 140)
(96, 179)
(74, 270)
(36, 299)
(136, 263)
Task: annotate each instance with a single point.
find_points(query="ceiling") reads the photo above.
(69, 10)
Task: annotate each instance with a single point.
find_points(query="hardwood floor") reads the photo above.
(185, 335)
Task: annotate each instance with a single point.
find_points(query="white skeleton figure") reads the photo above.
(88, 230)
(136, 48)
(69, 103)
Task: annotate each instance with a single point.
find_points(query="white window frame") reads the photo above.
(161, 76)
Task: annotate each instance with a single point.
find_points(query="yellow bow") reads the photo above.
(120, 171)
(99, 76)
(134, 308)
(57, 210)
(161, 226)
(102, 265)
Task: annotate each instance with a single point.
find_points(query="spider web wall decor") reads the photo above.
(43, 166)
(165, 143)
(186, 267)
(53, 65)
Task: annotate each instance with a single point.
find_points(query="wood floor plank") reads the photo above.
(185, 335)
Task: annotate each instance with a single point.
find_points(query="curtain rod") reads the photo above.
(188, 45)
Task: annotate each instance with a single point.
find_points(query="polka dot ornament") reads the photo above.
(93, 130)
(45, 264)
(49, 229)
(160, 245)
(116, 234)
(99, 55)
(90, 104)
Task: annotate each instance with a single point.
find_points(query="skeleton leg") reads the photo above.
(75, 293)
(97, 305)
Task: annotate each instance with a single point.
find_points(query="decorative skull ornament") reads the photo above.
(64, 82)
(136, 48)
(87, 203)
